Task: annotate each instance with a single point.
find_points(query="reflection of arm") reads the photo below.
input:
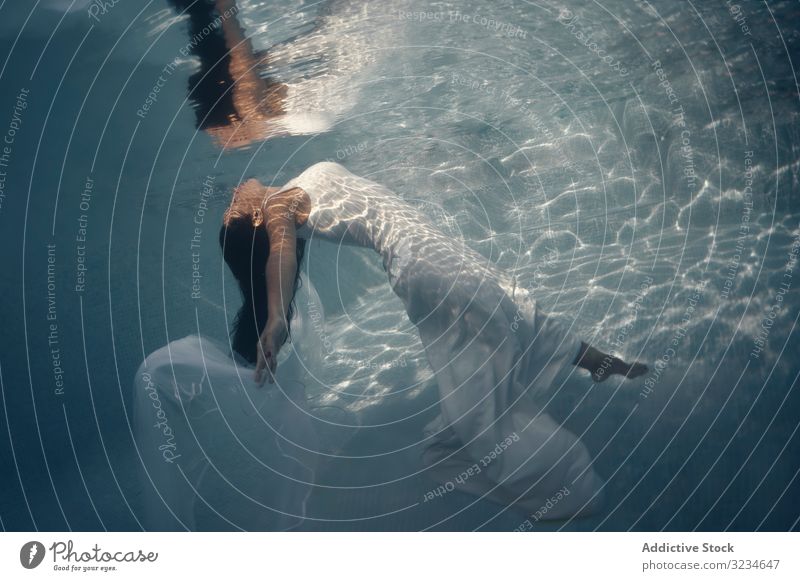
(232, 101)
(252, 95)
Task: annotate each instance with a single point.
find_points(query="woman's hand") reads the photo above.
(272, 338)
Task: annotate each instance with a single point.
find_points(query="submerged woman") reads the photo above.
(489, 345)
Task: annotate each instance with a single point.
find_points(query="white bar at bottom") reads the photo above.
(401, 556)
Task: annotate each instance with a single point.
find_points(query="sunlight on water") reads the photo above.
(630, 165)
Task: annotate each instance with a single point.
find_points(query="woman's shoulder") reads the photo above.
(318, 177)
(325, 167)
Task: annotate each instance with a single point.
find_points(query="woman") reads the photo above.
(486, 340)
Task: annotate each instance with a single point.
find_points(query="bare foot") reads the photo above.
(628, 370)
(617, 366)
(635, 370)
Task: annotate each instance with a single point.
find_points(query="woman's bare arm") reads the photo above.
(281, 269)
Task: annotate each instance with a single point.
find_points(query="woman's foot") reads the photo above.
(618, 367)
(602, 365)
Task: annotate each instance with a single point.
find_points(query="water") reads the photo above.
(647, 195)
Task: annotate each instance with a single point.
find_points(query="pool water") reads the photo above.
(633, 164)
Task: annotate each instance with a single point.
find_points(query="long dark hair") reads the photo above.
(245, 248)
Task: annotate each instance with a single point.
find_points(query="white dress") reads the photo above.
(218, 452)
(488, 344)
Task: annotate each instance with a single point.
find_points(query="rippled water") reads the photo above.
(634, 164)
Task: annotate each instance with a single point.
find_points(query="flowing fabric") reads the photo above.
(491, 348)
(219, 452)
